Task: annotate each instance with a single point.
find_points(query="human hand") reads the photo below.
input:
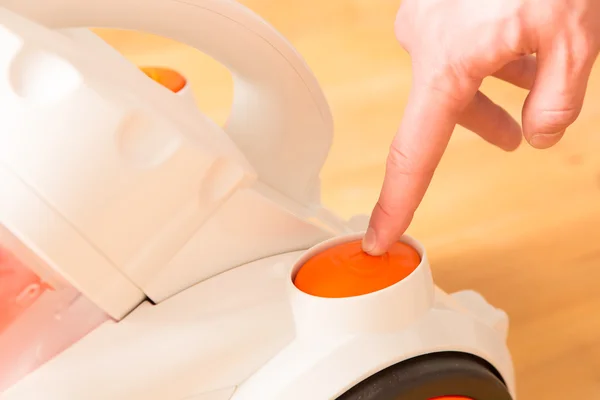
(454, 45)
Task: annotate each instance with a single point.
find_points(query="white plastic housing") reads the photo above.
(240, 331)
(151, 188)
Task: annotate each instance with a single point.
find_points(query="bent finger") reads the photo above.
(491, 122)
(557, 96)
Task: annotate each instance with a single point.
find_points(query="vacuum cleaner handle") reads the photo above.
(280, 119)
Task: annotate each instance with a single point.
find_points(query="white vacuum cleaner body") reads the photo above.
(148, 253)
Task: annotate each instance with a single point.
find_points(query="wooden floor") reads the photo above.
(521, 228)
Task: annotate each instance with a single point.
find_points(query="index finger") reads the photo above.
(429, 120)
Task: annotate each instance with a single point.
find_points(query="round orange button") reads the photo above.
(346, 270)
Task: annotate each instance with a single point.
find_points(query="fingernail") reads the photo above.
(545, 140)
(369, 241)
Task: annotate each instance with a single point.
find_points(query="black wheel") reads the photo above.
(431, 377)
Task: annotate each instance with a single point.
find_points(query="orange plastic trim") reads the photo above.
(169, 78)
(346, 271)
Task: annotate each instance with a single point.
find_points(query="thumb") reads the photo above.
(556, 98)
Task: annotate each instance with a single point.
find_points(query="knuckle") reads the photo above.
(518, 33)
(583, 51)
(404, 164)
(402, 36)
(515, 37)
(451, 84)
(402, 26)
(386, 209)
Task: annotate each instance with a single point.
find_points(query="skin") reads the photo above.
(548, 47)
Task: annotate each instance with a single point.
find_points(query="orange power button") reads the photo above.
(346, 270)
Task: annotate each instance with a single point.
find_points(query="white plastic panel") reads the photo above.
(41, 229)
(254, 224)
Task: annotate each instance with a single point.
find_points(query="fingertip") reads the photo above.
(374, 241)
(370, 244)
(513, 136)
(384, 229)
(543, 141)
(512, 143)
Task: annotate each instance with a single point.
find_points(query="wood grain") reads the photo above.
(522, 228)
